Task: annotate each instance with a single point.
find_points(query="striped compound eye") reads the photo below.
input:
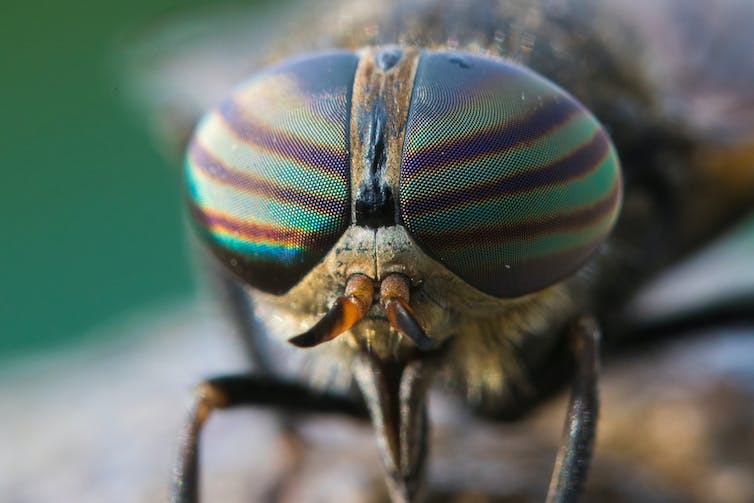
(268, 171)
(505, 179)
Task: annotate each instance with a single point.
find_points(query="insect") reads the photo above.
(433, 199)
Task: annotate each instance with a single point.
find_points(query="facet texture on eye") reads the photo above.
(268, 171)
(505, 178)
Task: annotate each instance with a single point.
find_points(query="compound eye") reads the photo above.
(268, 171)
(505, 179)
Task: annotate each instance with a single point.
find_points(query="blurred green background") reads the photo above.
(90, 212)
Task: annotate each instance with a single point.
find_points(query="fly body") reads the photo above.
(447, 194)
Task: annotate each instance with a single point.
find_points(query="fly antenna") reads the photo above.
(345, 312)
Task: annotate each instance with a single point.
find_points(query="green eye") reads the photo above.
(505, 178)
(268, 171)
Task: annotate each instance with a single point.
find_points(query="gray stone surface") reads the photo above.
(99, 424)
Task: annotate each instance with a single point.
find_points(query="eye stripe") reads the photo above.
(244, 230)
(512, 160)
(575, 164)
(229, 199)
(444, 101)
(215, 136)
(502, 232)
(311, 153)
(486, 142)
(246, 233)
(521, 206)
(208, 165)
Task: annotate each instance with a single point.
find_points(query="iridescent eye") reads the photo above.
(505, 179)
(268, 171)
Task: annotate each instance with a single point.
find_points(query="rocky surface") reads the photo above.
(99, 424)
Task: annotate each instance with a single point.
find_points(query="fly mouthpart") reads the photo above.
(353, 306)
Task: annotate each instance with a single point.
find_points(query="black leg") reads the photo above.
(636, 332)
(575, 452)
(244, 389)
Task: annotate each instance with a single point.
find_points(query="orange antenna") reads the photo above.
(347, 310)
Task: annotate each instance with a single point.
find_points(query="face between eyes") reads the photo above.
(450, 165)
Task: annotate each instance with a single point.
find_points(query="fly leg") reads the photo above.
(572, 463)
(242, 390)
(240, 310)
